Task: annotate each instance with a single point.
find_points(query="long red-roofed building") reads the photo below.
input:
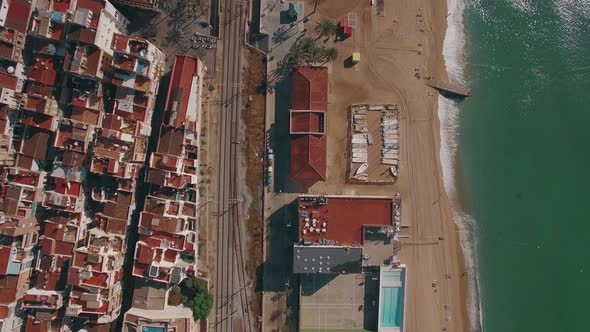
(183, 104)
(308, 123)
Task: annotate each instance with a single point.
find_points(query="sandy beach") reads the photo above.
(404, 42)
(401, 48)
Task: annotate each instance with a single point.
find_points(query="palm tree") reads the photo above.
(330, 54)
(325, 28)
(281, 35)
(296, 55)
(175, 34)
(167, 6)
(307, 44)
(314, 55)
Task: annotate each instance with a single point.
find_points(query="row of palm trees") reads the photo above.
(307, 51)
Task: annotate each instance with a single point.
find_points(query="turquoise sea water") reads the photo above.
(523, 144)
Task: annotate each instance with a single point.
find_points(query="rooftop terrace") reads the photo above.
(339, 220)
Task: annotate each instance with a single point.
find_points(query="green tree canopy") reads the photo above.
(330, 54)
(195, 295)
(326, 28)
(202, 304)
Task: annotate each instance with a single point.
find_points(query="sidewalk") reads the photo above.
(276, 276)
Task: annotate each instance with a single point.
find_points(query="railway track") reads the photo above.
(231, 311)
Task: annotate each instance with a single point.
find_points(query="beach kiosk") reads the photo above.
(345, 29)
(356, 57)
(292, 11)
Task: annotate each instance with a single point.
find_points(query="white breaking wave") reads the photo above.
(524, 5)
(448, 113)
(571, 11)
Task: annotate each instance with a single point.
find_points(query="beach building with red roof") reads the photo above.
(309, 103)
(308, 158)
(341, 234)
(310, 88)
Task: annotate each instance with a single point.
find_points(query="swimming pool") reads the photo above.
(394, 276)
(391, 298)
(392, 306)
(153, 329)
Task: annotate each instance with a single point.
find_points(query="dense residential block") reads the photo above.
(77, 96)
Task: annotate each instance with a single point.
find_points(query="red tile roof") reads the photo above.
(35, 144)
(308, 158)
(8, 81)
(160, 223)
(42, 70)
(66, 187)
(8, 289)
(145, 254)
(95, 6)
(37, 326)
(73, 159)
(4, 259)
(307, 122)
(61, 5)
(85, 115)
(36, 119)
(170, 141)
(345, 218)
(18, 15)
(310, 88)
(183, 71)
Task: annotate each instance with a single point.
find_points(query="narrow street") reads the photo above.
(230, 284)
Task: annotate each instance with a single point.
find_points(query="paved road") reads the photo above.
(231, 312)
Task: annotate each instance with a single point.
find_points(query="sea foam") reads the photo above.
(448, 113)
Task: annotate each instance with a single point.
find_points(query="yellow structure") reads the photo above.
(356, 57)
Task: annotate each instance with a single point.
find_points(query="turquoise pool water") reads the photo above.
(153, 329)
(392, 306)
(391, 276)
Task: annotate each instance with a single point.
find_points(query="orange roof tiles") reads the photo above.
(308, 158)
(8, 81)
(183, 71)
(4, 259)
(310, 88)
(35, 144)
(43, 70)
(17, 17)
(307, 122)
(345, 218)
(35, 119)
